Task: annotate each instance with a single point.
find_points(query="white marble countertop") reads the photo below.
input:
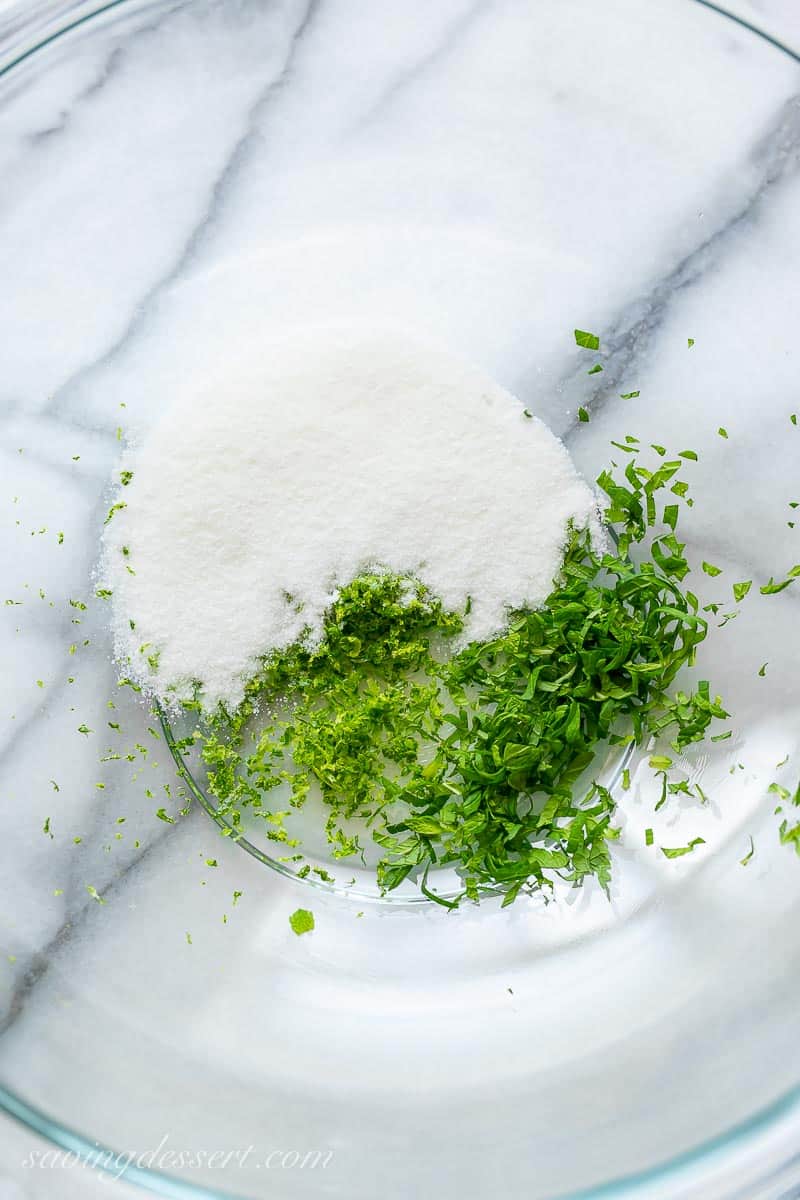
(140, 284)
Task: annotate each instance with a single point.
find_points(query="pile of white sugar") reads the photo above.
(257, 496)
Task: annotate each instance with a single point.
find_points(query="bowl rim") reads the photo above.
(27, 28)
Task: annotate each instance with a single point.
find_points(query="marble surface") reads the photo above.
(778, 18)
(187, 173)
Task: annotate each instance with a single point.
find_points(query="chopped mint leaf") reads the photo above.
(649, 837)
(747, 858)
(583, 415)
(710, 569)
(781, 792)
(762, 670)
(772, 588)
(588, 341)
(679, 851)
(629, 395)
(595, 370)
(722, 431)
(740, 590)
(690, 342)
(671, 515)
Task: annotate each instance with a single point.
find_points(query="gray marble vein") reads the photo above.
(33, 969)
(430, 61)
(105, 74)
(631, 335)
(214, 203)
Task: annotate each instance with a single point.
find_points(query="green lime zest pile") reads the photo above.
(474, 757)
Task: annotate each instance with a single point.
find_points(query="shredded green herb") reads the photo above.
(772, 588)
(588, 341)
(680, 851)
(481, 757)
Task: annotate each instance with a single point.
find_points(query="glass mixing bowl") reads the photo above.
(177, 172)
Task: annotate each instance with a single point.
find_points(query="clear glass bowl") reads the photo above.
(496, 175)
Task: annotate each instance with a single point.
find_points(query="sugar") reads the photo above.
(262, 491)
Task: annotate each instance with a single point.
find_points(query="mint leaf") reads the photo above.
(679, 851)
(588, 341)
